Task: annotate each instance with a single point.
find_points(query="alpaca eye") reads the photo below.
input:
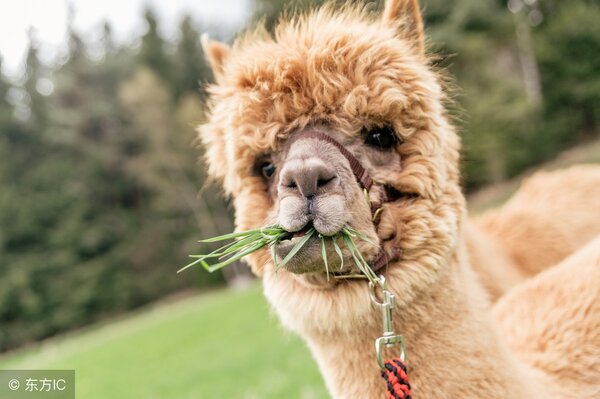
(382, 138)
(267, 170)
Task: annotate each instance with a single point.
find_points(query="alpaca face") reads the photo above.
(313, 185)
(351, 76)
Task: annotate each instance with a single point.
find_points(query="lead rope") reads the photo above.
(396, 379)
(393, 370)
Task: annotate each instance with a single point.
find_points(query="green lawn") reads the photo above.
(219, 345)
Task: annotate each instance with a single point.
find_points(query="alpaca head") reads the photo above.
(363, 80)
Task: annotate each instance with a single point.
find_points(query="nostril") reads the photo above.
(307, 176)
(324, 181)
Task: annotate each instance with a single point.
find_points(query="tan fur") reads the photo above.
(216, 52)
(553, 322)
(409, 12)
(551, 216)
(495, 269)
(344, 70)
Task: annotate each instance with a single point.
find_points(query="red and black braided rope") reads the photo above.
(396, 378)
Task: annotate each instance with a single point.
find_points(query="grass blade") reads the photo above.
(324, 254)
(339, 251)
(190, 265)
(231, 236)
(236, 257)
(297, 247)
(274, 255)
(360, 262)
(352, 232)
(373, 276)
(231, 247)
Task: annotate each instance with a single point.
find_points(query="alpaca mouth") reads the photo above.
(312, 254)
(300, 233)
(308, 251)
(292, 237)
(307, 259)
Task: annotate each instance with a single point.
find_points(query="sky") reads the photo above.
(49, 19)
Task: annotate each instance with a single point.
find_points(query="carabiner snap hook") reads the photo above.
(383, 285)
(389, 337)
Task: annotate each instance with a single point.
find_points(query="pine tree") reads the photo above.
(191, 66)
(5, 106)
(152, 53)
(107, 40)
(568, 47)
(34, 70)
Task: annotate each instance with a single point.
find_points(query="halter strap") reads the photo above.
(366, 183)
(361, 174)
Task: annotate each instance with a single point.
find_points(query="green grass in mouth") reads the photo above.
(246, 242)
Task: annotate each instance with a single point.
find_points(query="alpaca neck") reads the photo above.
(495, 269)
(452, 349)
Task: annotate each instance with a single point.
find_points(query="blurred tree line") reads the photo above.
(99, 180)
(99, 203)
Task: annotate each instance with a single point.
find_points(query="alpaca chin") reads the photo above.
(307, 309)
(316, 281)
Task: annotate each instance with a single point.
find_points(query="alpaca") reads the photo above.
(551, 216)
(364, 82)
(547, 310)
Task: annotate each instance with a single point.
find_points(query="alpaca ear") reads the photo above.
(216, 53)
(408, 14)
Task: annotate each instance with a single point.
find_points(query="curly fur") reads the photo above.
(346, 69)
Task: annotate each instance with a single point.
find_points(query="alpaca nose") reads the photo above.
(309, 177)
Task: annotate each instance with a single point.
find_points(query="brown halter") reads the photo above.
(365, 181)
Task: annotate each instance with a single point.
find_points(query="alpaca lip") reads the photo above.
(307, 259)
(295, 234)
(302, 231)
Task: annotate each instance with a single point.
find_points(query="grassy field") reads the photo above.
(217, 345)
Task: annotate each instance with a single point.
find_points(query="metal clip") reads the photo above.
(387, 305)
